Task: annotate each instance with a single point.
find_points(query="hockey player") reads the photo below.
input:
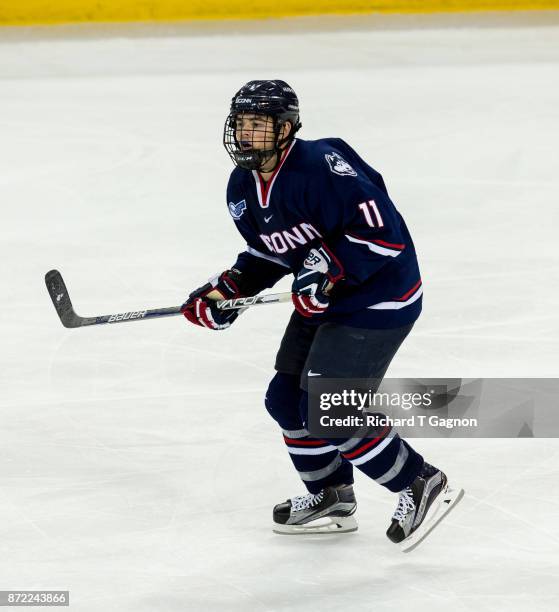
(316, 210)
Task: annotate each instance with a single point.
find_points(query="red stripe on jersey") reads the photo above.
(408, 293)
(265, 188)
(389, 244)
(368, 445)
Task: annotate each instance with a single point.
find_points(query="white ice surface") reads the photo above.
(138, 466)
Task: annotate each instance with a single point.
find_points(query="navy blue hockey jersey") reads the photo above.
(324, 192)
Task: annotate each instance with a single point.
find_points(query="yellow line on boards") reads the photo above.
(26, 12)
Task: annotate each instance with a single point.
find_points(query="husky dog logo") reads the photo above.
(237, 209)
(338, 165)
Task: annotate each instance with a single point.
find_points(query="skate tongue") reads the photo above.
(428, 470)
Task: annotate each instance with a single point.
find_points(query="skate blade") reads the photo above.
(447, 500)
(328, 524)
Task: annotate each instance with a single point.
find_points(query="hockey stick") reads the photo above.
(63, 305)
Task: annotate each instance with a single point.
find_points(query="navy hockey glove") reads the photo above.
(320, 271)
(200, 308)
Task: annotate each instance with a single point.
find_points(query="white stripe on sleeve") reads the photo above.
(376, 248)
(256, 253)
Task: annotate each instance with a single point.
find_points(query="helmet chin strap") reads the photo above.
(278, 150)
(277, 153)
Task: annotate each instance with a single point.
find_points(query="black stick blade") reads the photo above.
(61, 300)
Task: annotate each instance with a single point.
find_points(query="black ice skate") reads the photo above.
(421, 507)
(330, 511)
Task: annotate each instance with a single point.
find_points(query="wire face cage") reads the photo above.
(251, 139)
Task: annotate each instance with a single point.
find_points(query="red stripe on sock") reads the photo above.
(368, 445)
(304, 442)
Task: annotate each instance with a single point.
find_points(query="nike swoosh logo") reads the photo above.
(267, 219)
(311, 373)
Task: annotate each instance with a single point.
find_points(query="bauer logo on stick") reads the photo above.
(126, 316)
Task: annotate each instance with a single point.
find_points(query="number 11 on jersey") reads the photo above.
(368, 207)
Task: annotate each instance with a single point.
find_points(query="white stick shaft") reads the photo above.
(256, 300)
